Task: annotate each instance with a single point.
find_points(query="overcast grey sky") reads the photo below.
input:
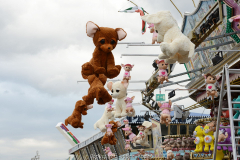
(43, 44)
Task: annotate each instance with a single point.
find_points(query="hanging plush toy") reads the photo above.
(199, 140)
(109, 152)
(127, 68)
(208, 138)
(165, 114)
(107, 115)
(152, 30)
(111, 139)
(99, 68)
(129, 107)
(147, 131)
(222, 137)
(211, 87)
(141, 132)
(162, 73)
(175, 45)
(131, 135)
(236, 19)
(127, 146)
(119, 91)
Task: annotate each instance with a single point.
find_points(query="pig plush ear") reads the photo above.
(109, 85)
(132, 66)
(159, 104)
(125, 84)
(121, 33)
(118, 123)
(123, 65)
(133, 97)
(91, 28)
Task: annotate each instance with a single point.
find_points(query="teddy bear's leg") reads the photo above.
(212, 146)
(102, 78)
(103, 96)
(163, 56)
(165, 48)
(166, 78)
(206, 148)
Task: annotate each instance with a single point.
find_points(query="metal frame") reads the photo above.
(153, 55)
(214, 46)
(225, 73)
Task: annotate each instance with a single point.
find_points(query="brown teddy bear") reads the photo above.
(102, 64)
(111, 139)
(76, 117)
(98, 69)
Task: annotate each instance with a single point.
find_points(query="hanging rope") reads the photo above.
(177, 8)
(194, 3)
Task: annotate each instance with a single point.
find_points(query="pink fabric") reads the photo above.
(166, 107)
(109, 130)
(110, 153)
(109, 106)
(127, 146)
(126, 74)
(129, 105)
(131, 136)
(126, 125)
(155, 34)
(163, 72)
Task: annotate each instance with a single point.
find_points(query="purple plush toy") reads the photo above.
(224, 138)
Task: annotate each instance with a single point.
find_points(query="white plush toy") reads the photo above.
(119, 92)
(175, 46)
(147, 131)
(107, 115)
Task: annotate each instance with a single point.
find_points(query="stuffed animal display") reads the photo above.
(131, 135)
(75, 120)
(175, 45)
(109, 153)
(170, 155)
(111, 139)
(127, 146)
(165, 114)
(199, 140)
(152, 30)
(162, 73)
(141, 132)
(208, 138)
(127, 68)
(186, 156)
(143, 155)
(126, 122)
(178, 156)
(104, 120)
(211, 88)
(129, 107)
(222, 137)
(98, 69)
(147, 131)
(119, 92)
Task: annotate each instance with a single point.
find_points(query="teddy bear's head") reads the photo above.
(115, 125)
(210, 79)
(105, 38)
(162, 21)
(118, 89)
(198, 132)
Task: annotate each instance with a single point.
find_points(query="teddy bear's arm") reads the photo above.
(96, 62)
(112, 70)
(160, 38)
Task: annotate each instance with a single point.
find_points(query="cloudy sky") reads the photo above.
(43, 44)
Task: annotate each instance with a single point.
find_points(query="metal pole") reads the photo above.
(230, 113)
(219, 114)
(131, 42)
(169, 84)
(213, 46)
(220, 36)
(143, 45)
(153, 55)
(225, 51)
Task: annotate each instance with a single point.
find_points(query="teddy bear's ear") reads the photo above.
(109, 85)
(121, 33)
(91, 28)
(125, 84)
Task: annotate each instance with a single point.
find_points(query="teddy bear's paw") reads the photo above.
(163, 56)
(165, 47)
(87, 69)
(113, 72)
(100, 70)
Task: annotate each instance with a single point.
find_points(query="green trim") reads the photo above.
(186, 70)
(229, 28)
